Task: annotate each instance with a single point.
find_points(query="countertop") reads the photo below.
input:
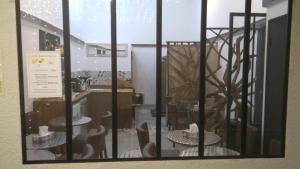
(78, 96)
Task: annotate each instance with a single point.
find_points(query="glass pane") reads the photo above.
(136, 66)
(180, 77)
(267, 91)
(91, 79)
(43, 62)
(222, 111)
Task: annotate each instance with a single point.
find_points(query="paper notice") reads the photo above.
(44, 74)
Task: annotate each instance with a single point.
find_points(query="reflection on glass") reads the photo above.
(42, 47)
(275, 62)
(180, 77)
(223, 77)
(91, 79)
(136, 66)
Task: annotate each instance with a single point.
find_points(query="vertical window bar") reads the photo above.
(290, 13)
(252, 108)
(246, 63)
(202, 78)
(67, 64)
(21, 79)
(229, 67)
(114, 79)
(158, 75)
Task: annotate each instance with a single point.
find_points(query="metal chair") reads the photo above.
(96, 137)
(149, 150)
(143, 134)
(107, 121)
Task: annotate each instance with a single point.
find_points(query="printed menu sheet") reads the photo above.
(44, 74)
(1, 75)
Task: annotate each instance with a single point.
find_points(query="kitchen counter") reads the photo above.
(98, 101)
(78, 96)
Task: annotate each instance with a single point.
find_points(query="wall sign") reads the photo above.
(1, 75)
(44, 74)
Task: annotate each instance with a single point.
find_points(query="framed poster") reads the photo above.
(44, 74)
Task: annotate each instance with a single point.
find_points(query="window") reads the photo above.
(114, 80)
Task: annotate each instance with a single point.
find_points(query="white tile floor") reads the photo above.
(127, 138)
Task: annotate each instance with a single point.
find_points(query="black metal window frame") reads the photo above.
(68, 101)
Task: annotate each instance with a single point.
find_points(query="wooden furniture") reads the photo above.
(96, 137)
(177, 118)
(209, 151)
(100, 101)
(47, 109)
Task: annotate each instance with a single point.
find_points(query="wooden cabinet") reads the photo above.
(47, 109)
(100, 101)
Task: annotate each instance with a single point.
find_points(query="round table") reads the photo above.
(33, 155)
(58, 140)
(209, 151)
(76, 121)
(179, 136)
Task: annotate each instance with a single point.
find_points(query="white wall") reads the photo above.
(51, 12)
(30, 41)
(136, 21)
(218, 11)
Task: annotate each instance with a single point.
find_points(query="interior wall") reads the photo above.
(10, 142)
(31, 31)
(219, 10)
(51, 11)
(136, 20)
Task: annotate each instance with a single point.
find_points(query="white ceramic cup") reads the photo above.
(43, 130)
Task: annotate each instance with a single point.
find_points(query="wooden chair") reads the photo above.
(96, 137)
(149, 150)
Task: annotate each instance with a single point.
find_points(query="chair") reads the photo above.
(79, 143)
(252, 139)
(171, 116)
(143, 135)
(149, 150)
(144, 139)
(107, 121)
(96, 137)
(88, 153)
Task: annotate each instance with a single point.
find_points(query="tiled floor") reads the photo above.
(127, 138)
